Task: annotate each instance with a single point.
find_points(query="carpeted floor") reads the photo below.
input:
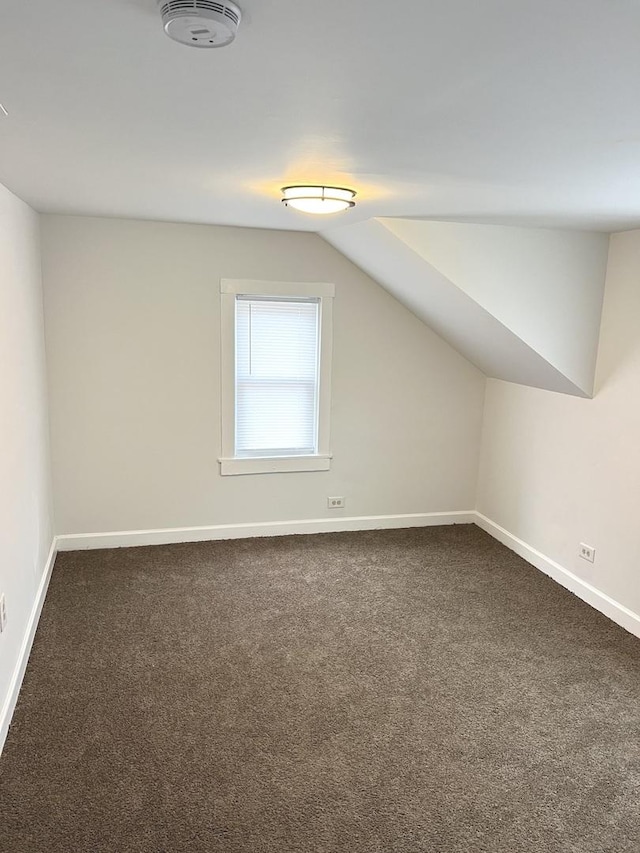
(397, 691)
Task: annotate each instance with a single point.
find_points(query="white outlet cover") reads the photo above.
(335, 503)
(587, 552)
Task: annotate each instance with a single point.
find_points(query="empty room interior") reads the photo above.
(319, 426)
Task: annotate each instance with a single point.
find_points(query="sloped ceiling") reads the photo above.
(522, 304)
(487, 112)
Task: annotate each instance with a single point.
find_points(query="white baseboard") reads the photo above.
(166, 536)
(615, 611)
(25, 649)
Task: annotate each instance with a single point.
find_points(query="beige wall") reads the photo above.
(26, 526)
(132, 315)
(556, 471)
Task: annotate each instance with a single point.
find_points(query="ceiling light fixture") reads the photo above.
(318, 200)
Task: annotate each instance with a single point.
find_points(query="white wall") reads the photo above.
(544, 285)
(26, 527)
(556, 471)
(132, 315)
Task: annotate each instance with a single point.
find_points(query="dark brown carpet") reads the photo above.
(396, 691)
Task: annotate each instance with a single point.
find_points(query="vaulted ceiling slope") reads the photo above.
(523, 304)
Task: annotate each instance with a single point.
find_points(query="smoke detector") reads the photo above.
(200, 23)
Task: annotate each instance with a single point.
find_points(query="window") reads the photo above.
(276, 371)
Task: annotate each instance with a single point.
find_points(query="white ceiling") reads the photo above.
(497, 111)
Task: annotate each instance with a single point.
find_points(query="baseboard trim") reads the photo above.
(25, 649)
(167, 536)
(590, 594)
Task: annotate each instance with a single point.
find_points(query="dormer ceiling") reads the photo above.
(522, 304)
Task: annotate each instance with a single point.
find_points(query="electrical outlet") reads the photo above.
(587, 552)
(335, 503)
(3, 613)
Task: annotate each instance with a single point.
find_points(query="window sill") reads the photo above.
(274, 464)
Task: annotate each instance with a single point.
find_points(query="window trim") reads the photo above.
(321, 461)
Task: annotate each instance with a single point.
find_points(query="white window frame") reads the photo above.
(229, 289)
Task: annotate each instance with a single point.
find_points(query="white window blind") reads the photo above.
(277, 373)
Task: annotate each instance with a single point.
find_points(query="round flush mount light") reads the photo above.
(318, 200)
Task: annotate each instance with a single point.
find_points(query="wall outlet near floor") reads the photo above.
(587, 552)
(335, 503)
(3, 613)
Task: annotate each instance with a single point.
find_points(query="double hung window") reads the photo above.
(276, 364)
